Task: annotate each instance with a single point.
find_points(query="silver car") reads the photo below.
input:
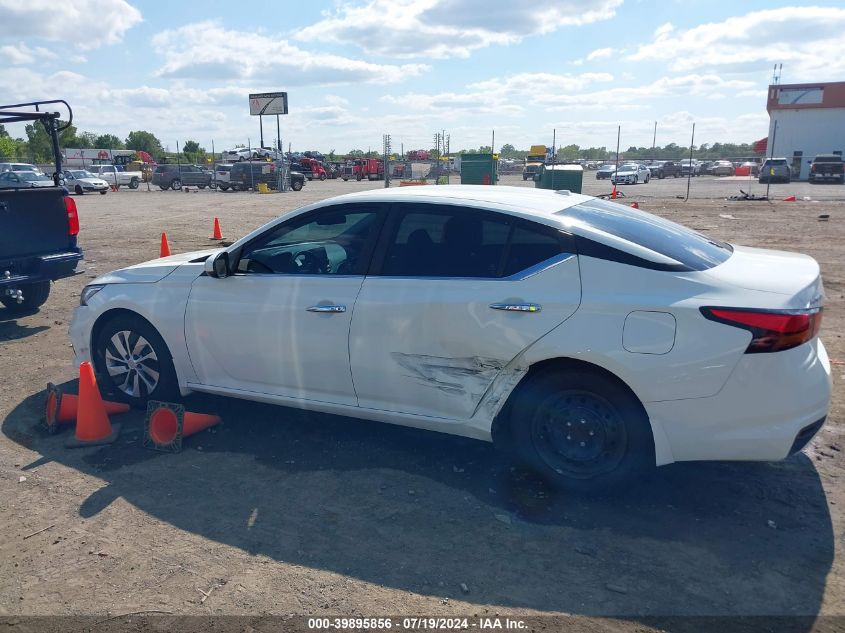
(24, 180)
(775, 170)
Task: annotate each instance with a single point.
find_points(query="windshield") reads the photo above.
(31, 176)
(82, 174)
(629, 167)
(692, 250)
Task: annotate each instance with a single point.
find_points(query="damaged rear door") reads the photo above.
(454, 295)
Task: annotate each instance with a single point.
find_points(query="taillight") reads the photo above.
(72, 216)
(771, 330)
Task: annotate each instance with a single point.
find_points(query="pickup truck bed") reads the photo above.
(827, 168)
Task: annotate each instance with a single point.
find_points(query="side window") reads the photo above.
(529, 247)
(444, 241)
(334, 241)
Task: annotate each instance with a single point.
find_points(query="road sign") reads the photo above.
(268, 103)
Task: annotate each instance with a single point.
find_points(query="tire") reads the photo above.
(359, 177)
(636, 180)
(344, 179)
(224, 187)
(296, 185)
(102, 193)
(558, 412)
(176, 184)
(134, 183)
(647, 178)
(201, 186)
(524, 177)
(323, 176)
(78, 190)
(661, 175)
(163, 187)
(130, 336)
(34, 296)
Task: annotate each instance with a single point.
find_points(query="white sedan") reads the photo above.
(631, 174)
(592, 340)
(79, 181)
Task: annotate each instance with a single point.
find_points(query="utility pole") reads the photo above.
(771, 154)
(386, 139)
(654, 141)
(689, 173)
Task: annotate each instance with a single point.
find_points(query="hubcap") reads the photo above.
(132, 364)
(579, 434)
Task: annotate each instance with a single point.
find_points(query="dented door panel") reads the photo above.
(433, 346)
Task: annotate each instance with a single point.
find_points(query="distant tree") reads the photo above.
(108, 141)
(190, 148)
(3, 132)
(355, 153)
(8, 147)
(331, 156)
(146, 141)
(372, 154)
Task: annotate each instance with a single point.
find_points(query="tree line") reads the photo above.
(37, 148)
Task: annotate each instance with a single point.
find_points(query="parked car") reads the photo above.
(173, 176)
(631, 174)
(19, 167)
(690, 168)
(605, 171)
(24, 180)
(664, 169)
(39, 227)
(827, 167)
(248, 174)
(238, 153)
(598, 355)
(221, 176)
(775, 170)
(80, 180)
(722, 168)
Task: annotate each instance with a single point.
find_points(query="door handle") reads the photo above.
(332, 309)
(517, 307)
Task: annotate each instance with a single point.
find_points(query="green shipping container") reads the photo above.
(479, 169)
(559, 177)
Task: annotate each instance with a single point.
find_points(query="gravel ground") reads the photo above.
(283, 512)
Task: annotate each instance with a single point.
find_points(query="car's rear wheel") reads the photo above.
(104, 192)
(582, 431)
(176, 184)
(134, 183)
(78, 190)
(296, 185)
(132, 361)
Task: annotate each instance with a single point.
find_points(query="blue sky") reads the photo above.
(357, 69)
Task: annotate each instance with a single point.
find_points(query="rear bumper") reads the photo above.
(771, 406)
(26, 270)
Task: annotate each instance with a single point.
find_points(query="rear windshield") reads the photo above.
(775, 161)
(692, 250)
(828, 158)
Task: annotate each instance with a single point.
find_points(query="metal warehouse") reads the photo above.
(810, 120)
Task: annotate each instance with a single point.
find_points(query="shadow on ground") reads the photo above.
(424, 512)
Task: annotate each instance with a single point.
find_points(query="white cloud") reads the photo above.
(86, 24)
(600, 53)
(449, 28)
(795, 36)
(206, 50)
(20, 54)
(559, 92)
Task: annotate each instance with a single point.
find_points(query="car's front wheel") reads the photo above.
(176, 184)
(296, 185)
(583, 431)
(78, 190)
(134, 183)
(132, 361)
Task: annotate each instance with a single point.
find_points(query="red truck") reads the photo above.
(419, 154)
(312, 168)
(360, 168)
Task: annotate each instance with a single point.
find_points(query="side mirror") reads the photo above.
(217, 265)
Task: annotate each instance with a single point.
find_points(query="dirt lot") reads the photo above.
(282, 512)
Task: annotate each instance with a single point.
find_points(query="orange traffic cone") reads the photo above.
(60, 407)
(218, 234)
(789, 199)
(164, 251)
(92, 423)
(167, 424)
(613, 193)
(635, 205)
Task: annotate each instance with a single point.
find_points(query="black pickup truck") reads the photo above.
(827, 167)
(38, 226)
